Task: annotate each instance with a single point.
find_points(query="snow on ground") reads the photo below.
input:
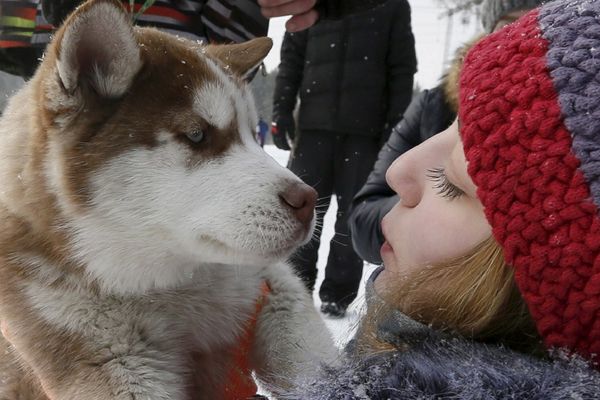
(341, 329)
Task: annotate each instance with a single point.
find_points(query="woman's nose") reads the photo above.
(404, 178)
(407, 175)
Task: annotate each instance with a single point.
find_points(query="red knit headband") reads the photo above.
(531, 133)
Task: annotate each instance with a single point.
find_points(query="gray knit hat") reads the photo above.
(493, 10)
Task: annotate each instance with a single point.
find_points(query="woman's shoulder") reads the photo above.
(441, 367)
(470, 370)
(427, 100)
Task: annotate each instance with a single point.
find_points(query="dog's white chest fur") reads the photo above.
(216, 299)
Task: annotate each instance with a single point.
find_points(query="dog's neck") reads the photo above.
(124, 264)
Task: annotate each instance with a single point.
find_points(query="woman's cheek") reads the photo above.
(437, 236)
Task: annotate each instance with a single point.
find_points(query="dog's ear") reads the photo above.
(242, 58)
(96, 44)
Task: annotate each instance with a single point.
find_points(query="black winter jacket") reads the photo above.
(434, 366)
(428, 114)
(336, 9)
(353, 75)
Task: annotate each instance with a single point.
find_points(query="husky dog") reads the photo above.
(140, 223)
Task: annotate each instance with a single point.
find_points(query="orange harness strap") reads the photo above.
(239, 383)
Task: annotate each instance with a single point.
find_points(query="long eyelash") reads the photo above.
(442, 185)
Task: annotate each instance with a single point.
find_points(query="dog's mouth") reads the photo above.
(263, 252)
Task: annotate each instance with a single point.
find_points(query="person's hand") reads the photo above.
(303, 12)
(283, 130)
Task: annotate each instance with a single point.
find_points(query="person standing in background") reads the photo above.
(262, 129)
(354, 78)
(430, 112)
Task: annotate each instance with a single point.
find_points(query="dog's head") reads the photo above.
(151, 156)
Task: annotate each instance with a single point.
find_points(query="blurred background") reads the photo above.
(439, 26)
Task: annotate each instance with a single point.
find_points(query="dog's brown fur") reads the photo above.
(56, 122)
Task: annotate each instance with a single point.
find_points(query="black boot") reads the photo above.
(333, 309)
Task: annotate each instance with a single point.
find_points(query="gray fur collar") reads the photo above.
(438, 366)
(442, 369)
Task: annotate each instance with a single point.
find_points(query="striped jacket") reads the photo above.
(214, 21)
(27, 25)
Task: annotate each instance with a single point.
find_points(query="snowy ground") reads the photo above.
(342, 329)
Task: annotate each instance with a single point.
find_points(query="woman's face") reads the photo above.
(439, 216)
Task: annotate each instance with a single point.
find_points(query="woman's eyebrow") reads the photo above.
(457, 173)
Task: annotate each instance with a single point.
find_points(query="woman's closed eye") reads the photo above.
(442, 185)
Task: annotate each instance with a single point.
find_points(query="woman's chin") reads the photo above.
(387, 256)
(380, 282)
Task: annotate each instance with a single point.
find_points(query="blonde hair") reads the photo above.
(474, 296)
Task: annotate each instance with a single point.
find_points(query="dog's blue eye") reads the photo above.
(196, 136)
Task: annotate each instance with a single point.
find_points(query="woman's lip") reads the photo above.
(386, 248)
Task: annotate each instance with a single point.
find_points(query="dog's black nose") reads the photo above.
(301, 198)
